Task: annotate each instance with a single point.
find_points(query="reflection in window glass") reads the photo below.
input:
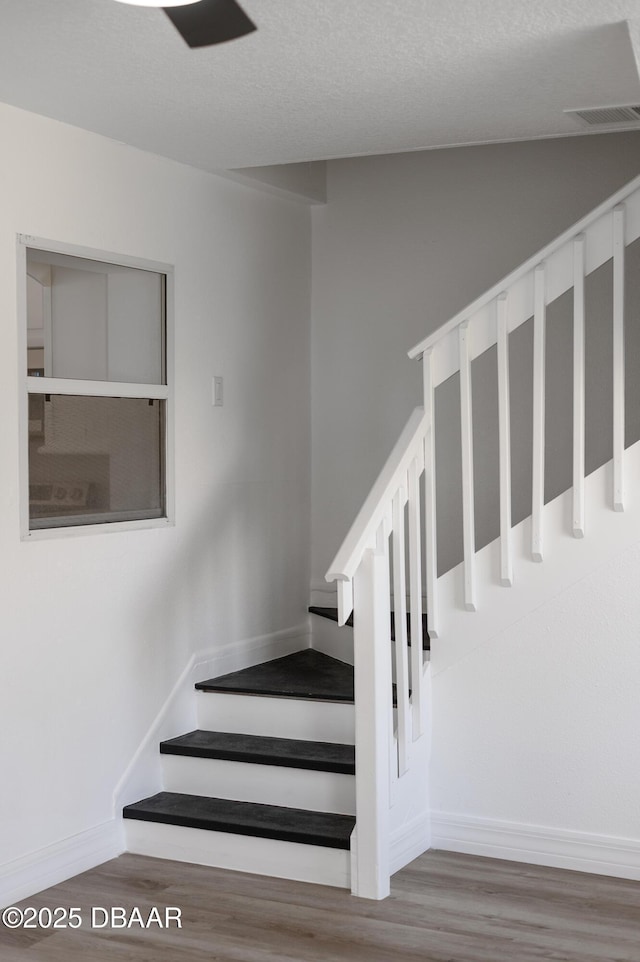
(89, 320)
(95, 459)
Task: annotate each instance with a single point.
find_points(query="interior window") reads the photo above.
(97, 391)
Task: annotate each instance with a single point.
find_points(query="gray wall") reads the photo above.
(405, 242)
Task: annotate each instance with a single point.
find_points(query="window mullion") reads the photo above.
(61, 385)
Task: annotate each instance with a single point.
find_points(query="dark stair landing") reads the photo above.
(262, 750)
(245, 818)
(306, 674)
(332, 615)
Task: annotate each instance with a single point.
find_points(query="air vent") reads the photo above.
(626, 115)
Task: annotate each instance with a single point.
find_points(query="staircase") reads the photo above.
(241, 793)
(297, 820)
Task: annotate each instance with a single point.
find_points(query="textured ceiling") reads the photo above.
(320, 78)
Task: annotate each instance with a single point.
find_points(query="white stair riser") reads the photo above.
(277, 717)
(241, 853)
(266, 784)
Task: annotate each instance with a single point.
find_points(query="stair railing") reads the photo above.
(376, 541)
(525, 293)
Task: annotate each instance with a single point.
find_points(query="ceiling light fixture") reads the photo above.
(201, 23)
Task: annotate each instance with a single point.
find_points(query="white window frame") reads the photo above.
(56, 385)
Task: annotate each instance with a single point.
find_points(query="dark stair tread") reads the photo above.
(305, 674)
(332, 615)
(245, 818)
(262, 750)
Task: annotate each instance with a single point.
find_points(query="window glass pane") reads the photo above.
(94, 460)
(91, 320)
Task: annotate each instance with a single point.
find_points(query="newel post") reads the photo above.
(374, 719)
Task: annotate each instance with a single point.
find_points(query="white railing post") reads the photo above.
(431, 544)
(504, 434)
(537, 487)
(400, 632)
(415, 596)
(578, 519)
(372, 681)
(468, 505)
(618, 357)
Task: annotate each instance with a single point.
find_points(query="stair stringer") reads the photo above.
(566, 560)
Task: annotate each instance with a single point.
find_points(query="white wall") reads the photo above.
(535, 744)
(96, 630)
(404, 242)
(536, 748)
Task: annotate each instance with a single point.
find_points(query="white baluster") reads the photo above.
(618, 358)
(382, 548)
(578, 387)
(539, 323)
(400, 622)
(431, 545)
(466, 427)
(415, 594)
(504, 428)
(345, 600)
(372, 682)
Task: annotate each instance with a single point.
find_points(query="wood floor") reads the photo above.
(443, 907)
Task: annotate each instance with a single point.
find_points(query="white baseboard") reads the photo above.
(324, 594)
(409, 841)
(537, 845)
(55, 863)
(143, 775)
(250, 651)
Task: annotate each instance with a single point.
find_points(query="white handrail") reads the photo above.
(525, 268)
(362, 533)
